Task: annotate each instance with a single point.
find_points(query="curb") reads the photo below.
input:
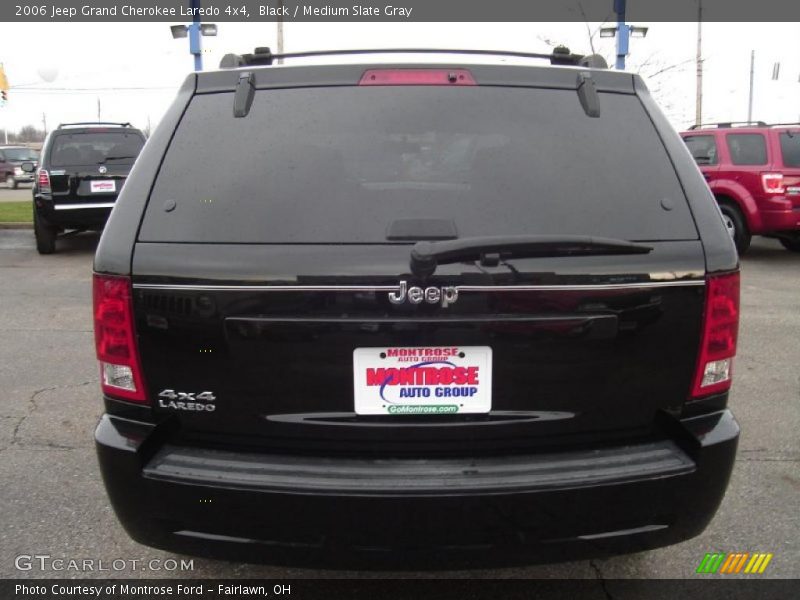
(16, 225)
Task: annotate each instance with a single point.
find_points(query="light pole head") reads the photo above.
(48, 74)
(179, 31)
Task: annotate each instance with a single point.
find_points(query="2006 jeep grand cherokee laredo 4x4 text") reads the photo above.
(416, 314)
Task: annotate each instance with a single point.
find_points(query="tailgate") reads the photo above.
(79, 184)
(579, 346)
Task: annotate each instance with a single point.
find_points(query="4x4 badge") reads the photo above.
(446, 295)
(202, 401)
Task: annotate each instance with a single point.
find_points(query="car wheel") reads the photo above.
(791, 242)
(736, 226)
(45, 235)
(11, 183)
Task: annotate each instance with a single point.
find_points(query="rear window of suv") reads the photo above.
(341, 164)
(91, 148)
(703, 148)
(790, 148)
(19, 154)
(747, 148)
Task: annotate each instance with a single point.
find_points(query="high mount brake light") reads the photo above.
(115, 339)
(773, 183)
(720, 330)
(417, 77)
(43, 180)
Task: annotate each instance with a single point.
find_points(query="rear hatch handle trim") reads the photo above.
(392, 288)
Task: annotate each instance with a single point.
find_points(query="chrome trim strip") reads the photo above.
(78, 206)
(392, 288)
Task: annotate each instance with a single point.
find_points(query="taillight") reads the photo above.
(773, 183)
(720, 329)
(43, 181)
(115, 339)
(417, 77)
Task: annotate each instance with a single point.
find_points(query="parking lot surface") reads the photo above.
(22, 193)
(53, 501)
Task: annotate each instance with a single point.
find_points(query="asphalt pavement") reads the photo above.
(22, 193)
(53, 501)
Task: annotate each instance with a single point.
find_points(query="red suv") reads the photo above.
(753, 170)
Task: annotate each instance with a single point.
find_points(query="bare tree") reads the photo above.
(27, 134)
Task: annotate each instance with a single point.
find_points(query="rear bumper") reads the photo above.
(416, 513)
(83, 215)
(781, 220)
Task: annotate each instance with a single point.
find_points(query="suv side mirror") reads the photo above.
(27, 167)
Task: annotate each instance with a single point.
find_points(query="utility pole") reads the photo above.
(698, 111)
(98, 110)
(44, 122)
(623, 34)
(279, 25)
(752, 70)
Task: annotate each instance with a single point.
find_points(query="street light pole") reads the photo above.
(195, 45)
(279, 26)
(623, 34)
(195, 31)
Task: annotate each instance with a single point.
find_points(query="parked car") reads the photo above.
(753, 170)
(404, 314)
(83, 168)
(11, 159)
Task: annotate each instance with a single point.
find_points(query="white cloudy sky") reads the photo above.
(134, 68)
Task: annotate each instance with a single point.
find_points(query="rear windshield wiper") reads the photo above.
(425, 256)
(107, 158)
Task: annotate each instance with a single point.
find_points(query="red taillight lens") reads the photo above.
(773, 183)
(720, 329)
(44, 181)
(115, 339)
(417, 77)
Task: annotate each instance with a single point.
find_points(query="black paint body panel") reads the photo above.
(593, 357)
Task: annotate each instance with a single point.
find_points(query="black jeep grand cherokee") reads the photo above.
(414, 314)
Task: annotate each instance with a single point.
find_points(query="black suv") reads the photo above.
(417, 315)
(83, 168)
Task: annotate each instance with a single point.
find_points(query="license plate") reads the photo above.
(432, 380)
(102, 186)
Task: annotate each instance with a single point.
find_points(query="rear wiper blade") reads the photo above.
(425, 256)
(107, 158)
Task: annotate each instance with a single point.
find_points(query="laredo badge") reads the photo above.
(204, 401)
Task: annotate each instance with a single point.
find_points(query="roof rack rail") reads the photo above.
(729, 124)
(85, 123)
(561, 55)
(784, 124)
